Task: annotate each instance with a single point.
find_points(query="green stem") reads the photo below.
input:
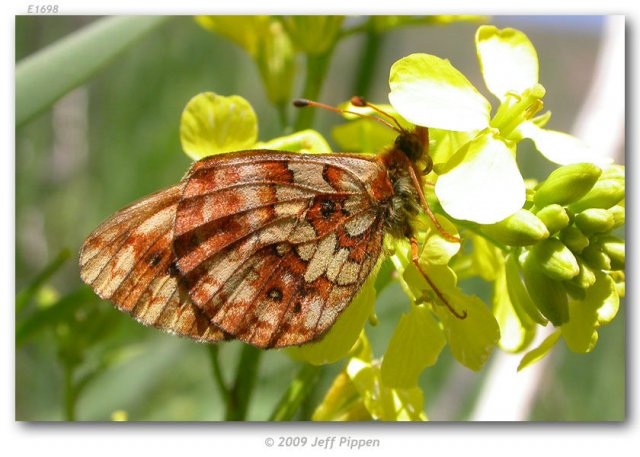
(69, 394)
(246, 374)
(298, 390)
(25, 295)
(213, 351)
(283, 117)
(368, 62)
(317, 67)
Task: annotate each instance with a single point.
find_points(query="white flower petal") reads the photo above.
(481, 182)
(561, 148)
(429, 91)
(508, 60)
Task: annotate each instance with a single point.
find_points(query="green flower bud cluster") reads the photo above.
(562, 238)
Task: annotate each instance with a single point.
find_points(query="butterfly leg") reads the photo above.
(415, 258)
(417, 183)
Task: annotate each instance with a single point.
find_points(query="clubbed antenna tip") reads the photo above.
(356, 100)
(300, 103)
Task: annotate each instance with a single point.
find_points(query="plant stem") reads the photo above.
(69, 394)
(298, 390)
(246, 374)
(213, 351)
(368, 61)
(283, 116)
(317, 67)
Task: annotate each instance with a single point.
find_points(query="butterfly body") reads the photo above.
(268, 247)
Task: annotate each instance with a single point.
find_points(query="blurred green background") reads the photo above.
(116, 139)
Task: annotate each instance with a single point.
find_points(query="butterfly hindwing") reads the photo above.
(128, 259)
(273, 246)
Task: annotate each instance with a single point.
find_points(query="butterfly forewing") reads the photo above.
(128, 259)
(273, 246)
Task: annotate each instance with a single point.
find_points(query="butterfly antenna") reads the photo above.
(415, 259)
(361, 102)
(301, 103)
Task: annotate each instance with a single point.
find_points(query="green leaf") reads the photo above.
(473, 184)
(508, 60)
(46, 76)
(306, 142)
(540, 352)
(429, 91)
(415, 345)
(212, 124)
(560, 147)
(342, 336)
(473, 338)
(48, 317)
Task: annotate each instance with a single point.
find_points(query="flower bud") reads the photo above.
(554, 217)
(604, 194)
(276, 63)
(596, 258)
(614, 172)
(548, 295)
(614, 248)
(586, 278)
(574, 239)
(567, 184)
(555, 259)
(618, 214)
(594, 220)
(314, 34)
(520, 229)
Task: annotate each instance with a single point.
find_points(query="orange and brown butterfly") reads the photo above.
(266, 247)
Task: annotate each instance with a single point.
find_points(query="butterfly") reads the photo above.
(267, 247)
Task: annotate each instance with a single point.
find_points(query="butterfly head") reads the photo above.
(415, 145)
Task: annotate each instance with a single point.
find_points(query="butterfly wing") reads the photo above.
(273, 246)
(127, 260)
